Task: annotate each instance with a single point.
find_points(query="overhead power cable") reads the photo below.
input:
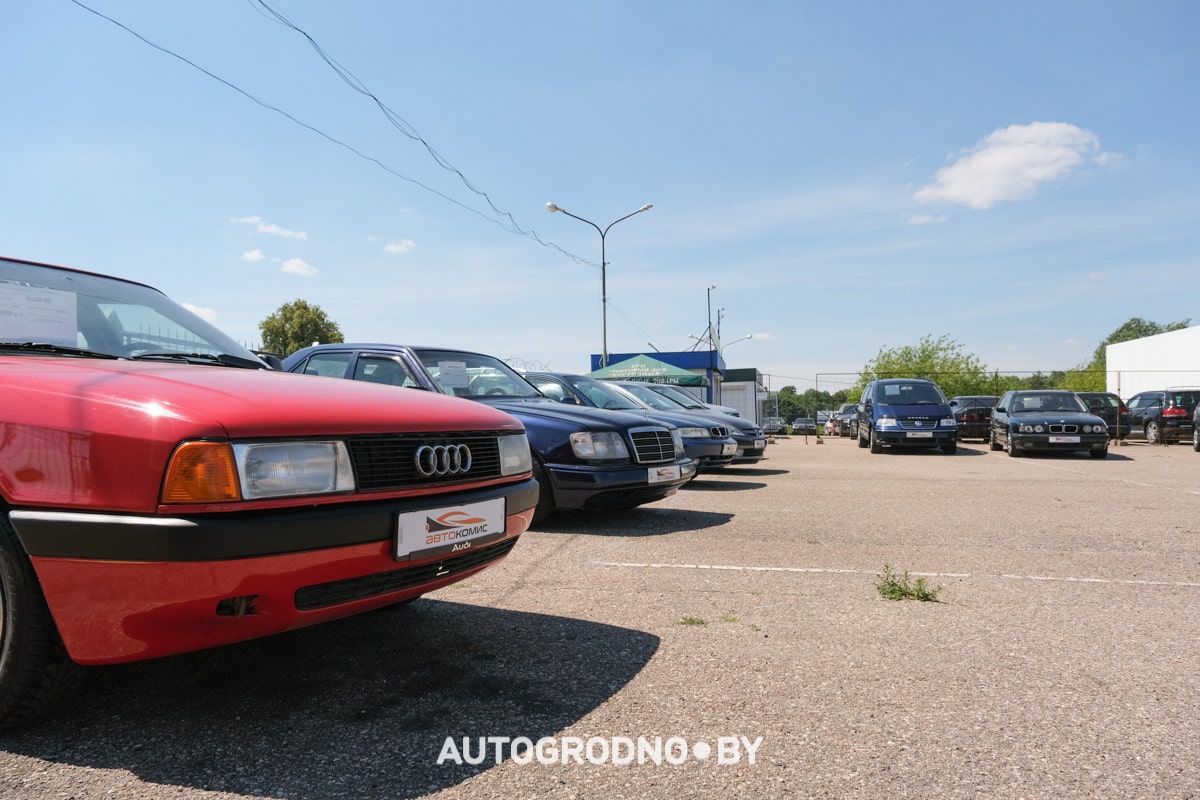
(511, 226)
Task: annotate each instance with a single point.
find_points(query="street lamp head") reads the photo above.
(552, 208)
(646, 207)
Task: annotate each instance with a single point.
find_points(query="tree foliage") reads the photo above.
(295, 325)
(940, 360)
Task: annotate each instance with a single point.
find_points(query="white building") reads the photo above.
(1154, 362)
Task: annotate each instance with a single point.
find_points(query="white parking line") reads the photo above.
(1043, 578)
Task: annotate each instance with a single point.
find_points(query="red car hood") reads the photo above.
(213, 401)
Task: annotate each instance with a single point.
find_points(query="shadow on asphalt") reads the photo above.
(644, 521)
(358, 708)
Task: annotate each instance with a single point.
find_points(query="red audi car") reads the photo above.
(162, 491)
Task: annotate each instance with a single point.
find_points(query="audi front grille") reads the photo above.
(652, 445)
(393, 461)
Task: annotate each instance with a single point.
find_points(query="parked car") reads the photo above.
(707, 443)
(1110, 408)
(163, 491)
(973, 415)
(804, 426)
(847, 420)
(1164, 415)
(1196, 429)
(1052, 420)
(583, 458)
(774, 426)
(751, 439)
(905, 412)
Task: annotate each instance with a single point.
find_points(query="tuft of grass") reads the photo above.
(898, 586)
(692, 621)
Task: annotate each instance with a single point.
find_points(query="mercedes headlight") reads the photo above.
(599, 445)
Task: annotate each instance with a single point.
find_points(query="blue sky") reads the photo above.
(1021, 177)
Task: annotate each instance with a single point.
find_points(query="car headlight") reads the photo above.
(677, 438)
(1095, 429)
(220, 472)
(885, 422)
(599, 445)
(514, 455)
(949, 422)
(695, 433)
(279, 469)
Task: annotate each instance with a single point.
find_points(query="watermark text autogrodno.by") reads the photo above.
(617, 750)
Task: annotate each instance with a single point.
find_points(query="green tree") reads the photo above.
(941, 360)
(295, 325)
(1093, 376)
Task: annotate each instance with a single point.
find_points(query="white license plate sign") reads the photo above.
(920, 434)
(1064, 440)
(663, 474)
(729, 449)
(759, 444)
(451, 529)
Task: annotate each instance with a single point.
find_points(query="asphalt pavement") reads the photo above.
(729, 641)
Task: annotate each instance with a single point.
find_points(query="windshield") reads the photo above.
(679, 395)
(908, 394)
(651, 397)
(602, 395)
(474, 375)
(1060, 401)
(79, 313)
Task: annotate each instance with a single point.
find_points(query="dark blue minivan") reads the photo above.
(905, 412)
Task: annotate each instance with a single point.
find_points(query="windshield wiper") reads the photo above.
(202, 358)
(59, 349)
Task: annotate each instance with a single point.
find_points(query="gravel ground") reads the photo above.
(1059, 662)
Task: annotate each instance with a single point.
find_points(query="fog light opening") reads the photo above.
(237, 606)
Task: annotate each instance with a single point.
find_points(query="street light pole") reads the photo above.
(551, 207)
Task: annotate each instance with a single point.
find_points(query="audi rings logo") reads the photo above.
(443, 459)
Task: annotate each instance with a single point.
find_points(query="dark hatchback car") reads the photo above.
(751, 439)
(583, 458)
(1110, 408)
(1163, 416)
(706, 442)
(1047, 420)
(973, 413)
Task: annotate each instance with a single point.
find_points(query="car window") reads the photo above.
(474, 375)
(377, 369)
(909, 394)
(330, 365)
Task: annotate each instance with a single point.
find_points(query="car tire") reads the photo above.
(863, 443)
(1153, 432)
(545, 502)
(1196, 439)
(1099, 452)
(992, 443)
(1010, 447)
(34, 666)
(876, 447)
(950, 449)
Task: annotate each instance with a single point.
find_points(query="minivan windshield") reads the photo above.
(909, 394)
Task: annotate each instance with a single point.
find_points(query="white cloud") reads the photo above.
(206, 314)
(1011, 162)
(402, 246)
(269, 227)
(927, 219)
(253, 256)
(297, 266)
